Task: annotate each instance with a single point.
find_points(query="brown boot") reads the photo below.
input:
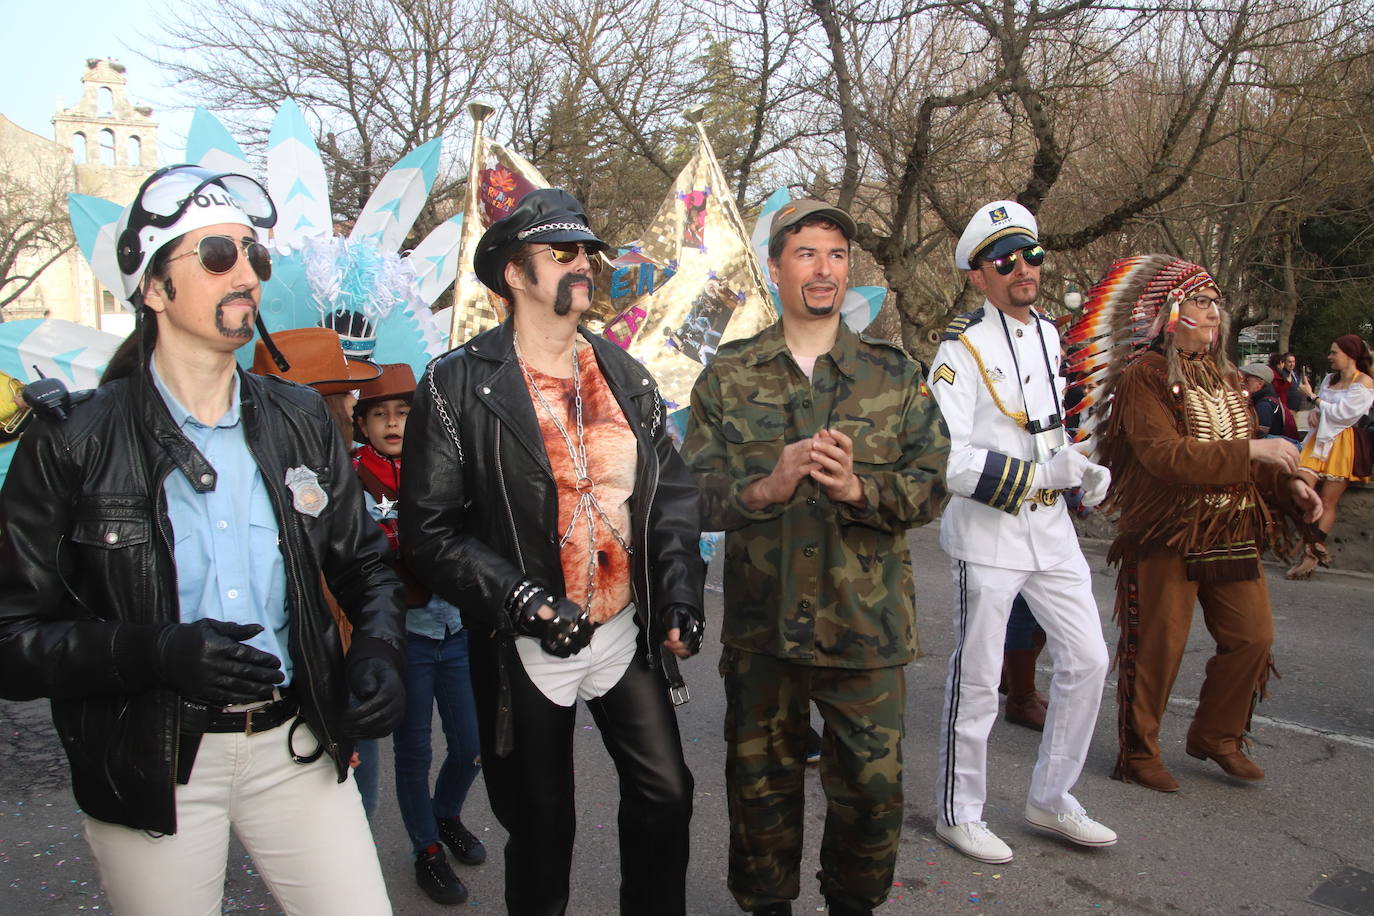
(1234, 764)
(1152, 774)
(1025, 706)
(1303, 568)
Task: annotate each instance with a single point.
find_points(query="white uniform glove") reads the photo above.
(1096, 480)
(1063, 471)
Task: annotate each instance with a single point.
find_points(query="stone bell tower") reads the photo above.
(113, 141)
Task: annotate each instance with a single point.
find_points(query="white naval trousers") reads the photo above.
(306, 832)
(1062, 601)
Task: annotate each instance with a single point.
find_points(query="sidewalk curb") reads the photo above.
(1101, 545)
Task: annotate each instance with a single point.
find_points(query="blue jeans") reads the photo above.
(1021, 626)
(366, 774)
(436, 672)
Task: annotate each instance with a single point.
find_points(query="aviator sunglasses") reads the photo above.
(219, 253)
(1006, 264)
(567, 252)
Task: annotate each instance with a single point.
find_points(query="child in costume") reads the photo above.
(437, 661)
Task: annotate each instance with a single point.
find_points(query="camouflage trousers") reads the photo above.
(767, 719)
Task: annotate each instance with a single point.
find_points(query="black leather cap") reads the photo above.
(544, 215)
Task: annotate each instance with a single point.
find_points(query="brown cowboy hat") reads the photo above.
(317, 359)
(396, 381)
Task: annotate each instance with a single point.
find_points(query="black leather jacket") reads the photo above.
(86, 568)
(479, 509)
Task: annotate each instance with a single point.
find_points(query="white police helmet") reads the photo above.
(178, 199)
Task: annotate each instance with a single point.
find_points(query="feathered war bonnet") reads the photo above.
(1135, 306)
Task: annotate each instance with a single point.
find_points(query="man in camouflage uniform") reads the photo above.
(815, 449)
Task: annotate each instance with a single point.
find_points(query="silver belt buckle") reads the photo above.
(680, 695)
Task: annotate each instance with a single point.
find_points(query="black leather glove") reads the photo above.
(380, 698)
(207, 660)
(690, 627)
(566, 633)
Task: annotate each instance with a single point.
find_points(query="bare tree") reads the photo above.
(943, 106)
(380, 77)
(1287, 150)
(34, 229)
(1215, 131)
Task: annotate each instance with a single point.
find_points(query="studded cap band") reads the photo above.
(550, 227)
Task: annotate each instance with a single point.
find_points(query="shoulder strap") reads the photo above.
(373, 484)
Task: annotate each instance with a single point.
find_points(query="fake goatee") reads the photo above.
(245, 329)
(820, 311)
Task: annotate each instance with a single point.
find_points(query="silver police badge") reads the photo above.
(307, 495)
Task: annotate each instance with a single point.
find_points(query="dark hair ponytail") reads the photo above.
(133, 354)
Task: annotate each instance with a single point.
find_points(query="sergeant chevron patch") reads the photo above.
(943, 374)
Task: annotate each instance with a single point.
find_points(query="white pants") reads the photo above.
(306, 832)
(1062, 601)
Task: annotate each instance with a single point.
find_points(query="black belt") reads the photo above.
(197, 719)
(252, 721)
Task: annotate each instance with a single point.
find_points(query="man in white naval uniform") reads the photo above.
(1006, 530)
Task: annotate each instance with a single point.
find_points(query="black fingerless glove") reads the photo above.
(691, 629)
(566, 633)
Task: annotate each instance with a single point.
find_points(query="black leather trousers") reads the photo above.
(532, 793)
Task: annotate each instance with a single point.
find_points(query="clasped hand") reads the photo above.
(827, 458)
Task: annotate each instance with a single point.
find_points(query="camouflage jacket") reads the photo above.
(814, 581)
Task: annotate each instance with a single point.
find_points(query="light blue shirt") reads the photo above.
(434, 619)
(228, 564)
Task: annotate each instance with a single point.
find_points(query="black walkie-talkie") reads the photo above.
(47, 396)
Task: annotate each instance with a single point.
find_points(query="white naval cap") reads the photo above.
(1002, 227)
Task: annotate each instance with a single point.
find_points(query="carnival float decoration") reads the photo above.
(362, 284)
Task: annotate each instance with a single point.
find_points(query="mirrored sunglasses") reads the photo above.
(1006, 264)
(567, 252)
(219, 253)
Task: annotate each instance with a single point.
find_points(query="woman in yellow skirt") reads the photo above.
(1328, 454)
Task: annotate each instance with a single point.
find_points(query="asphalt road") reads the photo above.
(1215, 847)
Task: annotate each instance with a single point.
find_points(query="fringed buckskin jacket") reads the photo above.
(1182, 478)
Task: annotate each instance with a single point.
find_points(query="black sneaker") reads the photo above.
(465, 847)
(436, 878)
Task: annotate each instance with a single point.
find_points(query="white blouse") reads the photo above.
(1338, 410)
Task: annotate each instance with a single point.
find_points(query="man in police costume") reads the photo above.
(163, 541)
(1006, 530)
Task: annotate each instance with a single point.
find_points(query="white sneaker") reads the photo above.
(1077, 826)
(976, 841)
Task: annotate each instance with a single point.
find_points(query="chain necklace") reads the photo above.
(588, 508)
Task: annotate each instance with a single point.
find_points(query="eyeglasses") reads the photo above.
(567, 252)
(1006, 264)
(1206, 302)
(219, 253)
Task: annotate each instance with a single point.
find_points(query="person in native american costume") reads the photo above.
(1193, 489)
